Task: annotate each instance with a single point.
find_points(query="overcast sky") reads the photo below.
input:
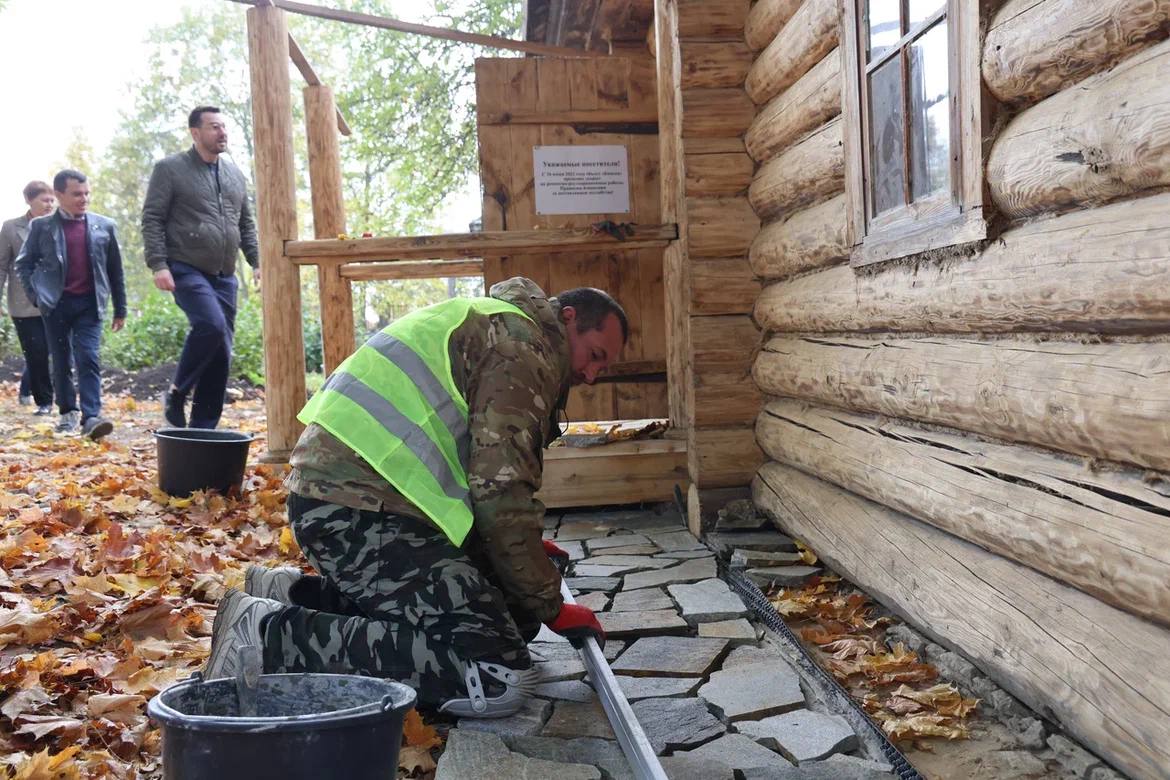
(66, 64)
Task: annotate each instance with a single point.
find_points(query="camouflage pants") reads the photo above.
(395, 599)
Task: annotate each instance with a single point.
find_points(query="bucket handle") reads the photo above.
(388, 703)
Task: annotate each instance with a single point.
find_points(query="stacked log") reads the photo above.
(808, 36)
(814, 99)
(805, 174)
(809, 239)
(765, 20)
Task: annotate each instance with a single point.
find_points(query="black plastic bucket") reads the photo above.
(191, 459)
(308, 726)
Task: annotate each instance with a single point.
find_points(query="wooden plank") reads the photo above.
(725, 145)
(808, 36)
(1103, 270)
(809, 103)
(718, 174)
(807, 173)
(716, 113)
(654, 338)
(624, 473)
(722, 457)
(571, 116)
(457, 245)
(1101, 532)
(710, 19)
(724, 285)
(1099, 672)
(724, 347)
(720, 227)
(276, 223)
(1034, 48)
(766, 19)
(809, 239)
(411, 269)
(1107, 401)
(1107, 139)
(714, 64)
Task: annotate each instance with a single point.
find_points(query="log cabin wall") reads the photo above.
(983, 441)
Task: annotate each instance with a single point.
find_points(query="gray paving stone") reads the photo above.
(558, 651)
(634, 549)
(742, 656)
(559, 669)
(820, 770)
(634, 624)
(753, 691)
(529, 720)
(571, 719)
(604, 754)
(768, 541)
(802, 735)
(751, 559)
(597, 601)
(584, 569)
(568, 690)
(685, 554)
(636, 688)
(1015, 765)
(707, 601)
(787, 576)
(576, 550)
(673, 541)
(738, 631)
(640, 600)
(741, 515)
(677, 724)
(687, 571)
(670, 656)
(1071, 755)
(473, 754)
(684, 766)
(634, 562)
(628, 519)
(736, 751)
(576, 530)
(619, 540)
(546, 634)
(860, 763)
(586, 584)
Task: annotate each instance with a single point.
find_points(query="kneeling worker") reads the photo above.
(412, 494)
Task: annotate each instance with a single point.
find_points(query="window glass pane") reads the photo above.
(930, 126)
(920, 11)
(884, 27)
(887, 149)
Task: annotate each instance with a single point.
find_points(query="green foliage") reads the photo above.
(154, 334)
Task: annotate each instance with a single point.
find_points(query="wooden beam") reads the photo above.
(1035, 48)
(710, 19)
(809, 103)
(722, 457)
(714, 64)
(311, 79)
(453, 246)
(766, 19)
(809, 239)
(591, 116)
(806, 173)
(720, 227)
(1107, 139)
(1103, 270)
(808, 36)
(1107, 401)
(386, 23)
(1100, 673)
(328, 220)
(716, 113)
(276, 222)
(623, 472)
(410, 269)
(1102, 532)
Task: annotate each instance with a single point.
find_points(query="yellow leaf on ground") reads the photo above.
(118, 707)
(416, 733)
(23, 626)
(287, 544)
(923, 726)
(42, 766)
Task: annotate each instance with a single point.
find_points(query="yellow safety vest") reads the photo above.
(395, 403)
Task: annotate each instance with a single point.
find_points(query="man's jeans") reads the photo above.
(75, 334)
(36, 380)
(210, 305)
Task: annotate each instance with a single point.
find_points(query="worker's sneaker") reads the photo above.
(505, 692)
(70, 422)
(25, 400)
(96, 428)
(238, 622)
(43, 411)
(271, 583)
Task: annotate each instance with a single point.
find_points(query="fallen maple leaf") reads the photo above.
(415, 760)
(118, 707)
(26, 627)
(944, 698)
(42, 766)
(39, 726)
(416, 733)
(923, 726)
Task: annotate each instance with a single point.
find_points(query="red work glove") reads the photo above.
(575, 623)
(559, 557)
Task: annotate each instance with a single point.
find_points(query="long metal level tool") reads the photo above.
(631, 737)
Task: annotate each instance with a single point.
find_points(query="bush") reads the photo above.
(154, 334)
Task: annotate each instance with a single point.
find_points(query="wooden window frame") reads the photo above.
(936, 221)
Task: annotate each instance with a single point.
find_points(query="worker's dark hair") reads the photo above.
(35, 188)
(61, 180)
(195, 118)
(592, 307)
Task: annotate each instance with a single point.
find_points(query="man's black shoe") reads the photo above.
(173, 409)
(96, 428)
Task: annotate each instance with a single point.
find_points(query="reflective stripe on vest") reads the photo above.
(395, 403)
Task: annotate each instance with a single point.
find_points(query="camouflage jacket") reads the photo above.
(515, 377)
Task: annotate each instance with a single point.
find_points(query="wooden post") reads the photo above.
(276, 210)
(328, 222)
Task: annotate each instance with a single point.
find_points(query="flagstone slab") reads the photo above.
(737, 751)
(569, 690)
(576, 550)
(687, 571)
(634, 549)
(635, 562)
(555, 651)
(655, 622)
(585, 569)
(472, 754)
(619, 540)
(684, 554)
(575, 530)
(741, 515)
(707, 601)
(737, 631)
(677, 724)
(751, 559)
(670, 656)
(597, 601)
(604, 754)
(788, 576)
(636, 688)
(530, 719)
(640, 600)
(767, 541)
(571, 719)
(546, 634)
(802, 735)
(684, 766)
(837, 768)
(586, 584)
(753, 691)
(748, 654)
(677, 540)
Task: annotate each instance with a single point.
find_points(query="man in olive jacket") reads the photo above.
(195, 221)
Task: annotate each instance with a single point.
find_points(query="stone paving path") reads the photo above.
(715, 702)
